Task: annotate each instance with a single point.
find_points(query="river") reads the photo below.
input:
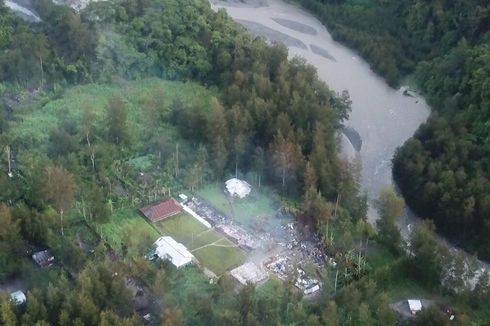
(382, 116)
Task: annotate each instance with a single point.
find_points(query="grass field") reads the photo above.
(255, 211)
(211, 248)
(122, 222)
(36, 123)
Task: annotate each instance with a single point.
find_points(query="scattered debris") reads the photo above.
(249, 273)
(281, 266)
(43, 258)
(306, 284)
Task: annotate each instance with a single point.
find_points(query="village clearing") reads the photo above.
(213, 250)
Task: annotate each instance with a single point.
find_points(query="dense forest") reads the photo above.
(443, 171)
(106, 110)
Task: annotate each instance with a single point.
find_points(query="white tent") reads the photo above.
(169, 249)
(237, 187)
(18, 297)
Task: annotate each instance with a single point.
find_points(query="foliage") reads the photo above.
(443, 171)
(390, 207)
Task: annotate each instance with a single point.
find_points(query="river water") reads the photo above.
(383, 117)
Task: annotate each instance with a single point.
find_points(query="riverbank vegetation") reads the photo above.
(126, 103)
(443, 171)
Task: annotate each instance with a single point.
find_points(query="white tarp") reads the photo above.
(237, 187)
(177, 253)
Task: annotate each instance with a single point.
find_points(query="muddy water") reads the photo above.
(383, 116)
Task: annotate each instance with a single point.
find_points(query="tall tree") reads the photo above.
(11, 244)
(390, 207)
(259, 163)
(287, 158)
(428, 255)
(172, 317)
(59, 190)
(7, 315)
(117, 115)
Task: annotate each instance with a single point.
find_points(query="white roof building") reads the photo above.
(237, 187)
(415, 306)
(169, 249)
(18, 297)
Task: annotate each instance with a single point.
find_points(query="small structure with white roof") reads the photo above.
(238, 188)
(18, 297)
(169, 249)
(415, 306)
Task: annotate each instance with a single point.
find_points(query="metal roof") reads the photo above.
(161, 210)
(177, 253)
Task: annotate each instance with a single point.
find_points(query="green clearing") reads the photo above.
(404, 287)
(35, 124)
(379, 256)
(220, 259)
(122, 223)
(188, 231)
(210, 247)
(255, 211)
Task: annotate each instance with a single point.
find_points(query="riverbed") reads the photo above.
(382, 116)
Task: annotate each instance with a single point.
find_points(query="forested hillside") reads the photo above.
(443, 170)
(74, 155)
(133, 102)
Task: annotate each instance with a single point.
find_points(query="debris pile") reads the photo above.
(281, 266)
(249, 273)
(305, 283)
(225, 225)
(205, 211)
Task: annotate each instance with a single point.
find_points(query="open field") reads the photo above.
(143, 98)
(210, 247)
(186, 230)
(122, 222)
(256, 212)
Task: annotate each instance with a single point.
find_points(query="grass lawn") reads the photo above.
(36, 123)
(255, 211)
(404, 288)
(210, 247)
(123, 221)
(220, 259)
(187, 230)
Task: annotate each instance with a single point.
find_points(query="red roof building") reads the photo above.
(161, 210)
